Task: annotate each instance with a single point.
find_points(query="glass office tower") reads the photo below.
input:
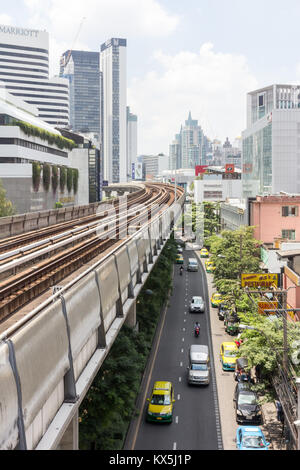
(82, 70)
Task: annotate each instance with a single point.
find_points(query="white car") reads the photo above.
(197, 305)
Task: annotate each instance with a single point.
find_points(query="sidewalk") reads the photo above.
(226, 385)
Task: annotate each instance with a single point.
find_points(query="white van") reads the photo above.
(192, 264)
(199, 365)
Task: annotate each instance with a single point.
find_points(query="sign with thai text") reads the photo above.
(262, 306)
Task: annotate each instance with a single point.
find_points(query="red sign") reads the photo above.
(229, 168)
(200, 169)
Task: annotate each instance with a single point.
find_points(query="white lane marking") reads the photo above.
(176, 420)
(181, 364)
(179, 379)
(174, 446)
(178, 397)
(183, 329)
(182, 350)
(183, 340)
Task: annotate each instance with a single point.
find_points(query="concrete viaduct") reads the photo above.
(49, 362)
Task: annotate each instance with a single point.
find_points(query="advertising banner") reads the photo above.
(259, 280)
(200, 169)
(262, 306)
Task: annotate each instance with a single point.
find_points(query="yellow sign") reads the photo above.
(259, 280)
(267, 306)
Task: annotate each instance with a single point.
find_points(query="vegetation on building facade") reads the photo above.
(52, 139)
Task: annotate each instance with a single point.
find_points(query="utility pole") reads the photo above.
(285, 339)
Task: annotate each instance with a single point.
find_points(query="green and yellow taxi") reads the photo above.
(179, 259)
(228, 355)
(204, 253)
(216, 299)
(161, 402)
(209, 266)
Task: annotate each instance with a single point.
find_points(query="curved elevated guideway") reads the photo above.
(51, 355)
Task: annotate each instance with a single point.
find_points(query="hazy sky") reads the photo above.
(198, 55)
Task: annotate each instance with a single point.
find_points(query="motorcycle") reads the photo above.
(197, 331)
(181, 271)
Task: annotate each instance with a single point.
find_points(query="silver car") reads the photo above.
(197, 305)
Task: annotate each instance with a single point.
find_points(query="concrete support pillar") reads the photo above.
(131, 316)
(70, 437)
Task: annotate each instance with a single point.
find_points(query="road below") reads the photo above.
(196, 422)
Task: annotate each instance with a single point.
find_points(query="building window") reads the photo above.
(289, 234)
(291, 211)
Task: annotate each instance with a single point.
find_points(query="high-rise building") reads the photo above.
(24, 72)
(175, 153)
(113, 68)
(131, 141)
(191, 143)
(271, 142)
(82, 70)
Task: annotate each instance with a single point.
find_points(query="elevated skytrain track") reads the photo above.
(32, 263)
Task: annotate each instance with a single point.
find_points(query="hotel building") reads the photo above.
(24, 73)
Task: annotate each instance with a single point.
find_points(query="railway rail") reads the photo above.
(19, 289)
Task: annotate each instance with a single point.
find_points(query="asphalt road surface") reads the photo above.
(196, 422)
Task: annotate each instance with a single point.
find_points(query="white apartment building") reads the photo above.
(114, 96)
(271, 142)
(24, 73)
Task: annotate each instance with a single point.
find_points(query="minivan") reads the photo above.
(199, 366)
(192, 264)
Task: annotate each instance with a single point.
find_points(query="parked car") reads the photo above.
(197, 305)
(223, 308)
(160, 408)
(247, 408)
(251, 438)
(231, 323)
(204, 253)
(216, 299)
(228, 353)
(209, 266)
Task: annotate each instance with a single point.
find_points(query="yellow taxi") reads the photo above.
(204, 253)
(160, 408)
(228, 355)
(216, 299)
(209, 266)
(179, 259)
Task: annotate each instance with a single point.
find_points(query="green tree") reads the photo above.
(6, 206)
(235, 252)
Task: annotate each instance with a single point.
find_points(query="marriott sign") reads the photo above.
(19, 31)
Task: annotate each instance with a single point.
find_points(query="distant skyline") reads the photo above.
(201, 56)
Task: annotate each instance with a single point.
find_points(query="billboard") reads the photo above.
(138, 169)
(200, 169)
(259, 280)
(267, 306)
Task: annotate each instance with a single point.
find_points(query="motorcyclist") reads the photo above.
(197, 325)
(181, 270)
